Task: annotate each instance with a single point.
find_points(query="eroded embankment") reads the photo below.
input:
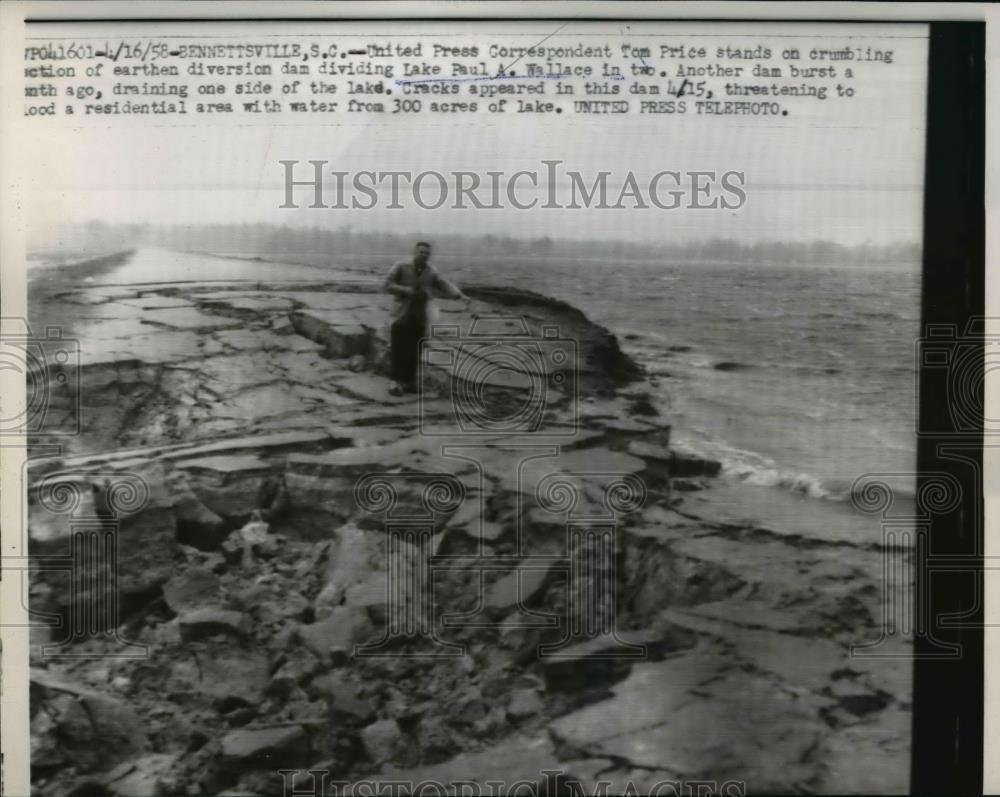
(287, 487)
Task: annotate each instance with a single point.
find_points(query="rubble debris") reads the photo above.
(252, 575)
(199, 623)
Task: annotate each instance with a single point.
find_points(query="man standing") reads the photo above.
(413, 283)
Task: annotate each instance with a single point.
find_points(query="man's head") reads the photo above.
(421, 253)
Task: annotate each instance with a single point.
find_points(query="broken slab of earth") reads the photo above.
(252, 575)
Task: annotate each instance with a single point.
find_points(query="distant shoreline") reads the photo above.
(45, 308)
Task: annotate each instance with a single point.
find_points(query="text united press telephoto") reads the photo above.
(512, 407)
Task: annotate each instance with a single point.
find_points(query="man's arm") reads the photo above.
(448, 289)
(392, 283)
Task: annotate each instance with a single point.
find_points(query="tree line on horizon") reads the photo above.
(313, 243)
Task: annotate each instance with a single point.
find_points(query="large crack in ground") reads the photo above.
(253, 573)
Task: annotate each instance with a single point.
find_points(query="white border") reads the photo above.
(991, 456)
(14, 674)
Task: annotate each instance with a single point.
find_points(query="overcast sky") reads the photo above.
(850, 171)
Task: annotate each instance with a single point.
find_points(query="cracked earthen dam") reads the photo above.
(514, 575)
